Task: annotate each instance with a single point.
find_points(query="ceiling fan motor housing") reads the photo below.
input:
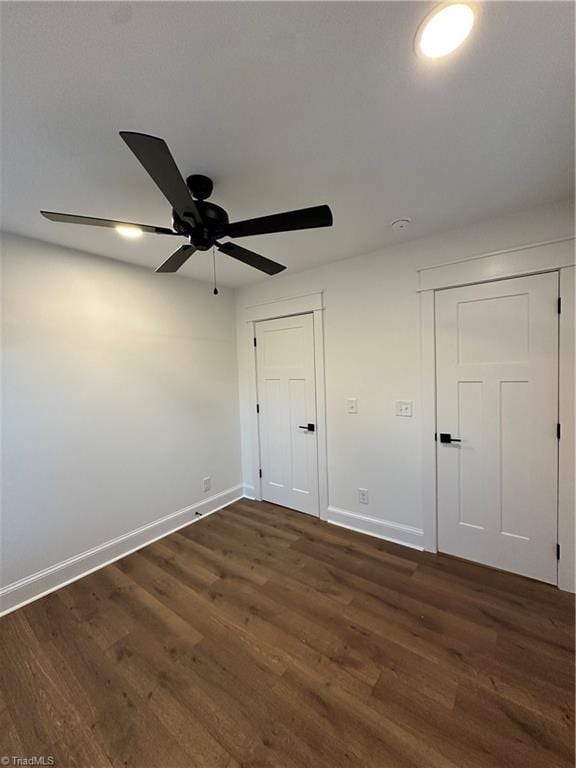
(214, 220)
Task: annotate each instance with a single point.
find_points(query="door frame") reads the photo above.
(307, 304)
(534, 258)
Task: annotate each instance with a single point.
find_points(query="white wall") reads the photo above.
(372, 352)
(119, 395)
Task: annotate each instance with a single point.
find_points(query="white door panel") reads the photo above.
(287, 400)
(497, 390)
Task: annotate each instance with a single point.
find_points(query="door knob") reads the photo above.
(446, 437)
(307, 427)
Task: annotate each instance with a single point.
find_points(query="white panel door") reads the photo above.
(497, 392)
(287, 418)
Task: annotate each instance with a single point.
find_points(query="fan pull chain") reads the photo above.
(215, 291)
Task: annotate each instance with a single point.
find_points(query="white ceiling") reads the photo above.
(285, 105)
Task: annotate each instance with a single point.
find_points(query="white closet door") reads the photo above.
(287, 412)
(497, 390)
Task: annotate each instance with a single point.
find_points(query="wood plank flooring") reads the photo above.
(260, 637)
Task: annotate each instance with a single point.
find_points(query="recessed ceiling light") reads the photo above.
(131, 232)
(444, 29)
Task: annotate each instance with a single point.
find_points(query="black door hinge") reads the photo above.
(259, 473)
(558, 431)
(557, 551)
(559, 304)
(254, 340)
(257, 407)
(435, 436)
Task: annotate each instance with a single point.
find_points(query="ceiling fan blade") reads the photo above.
(251, 258)
(305, 218)
(179, 257)
(154, 155)
(70, 218)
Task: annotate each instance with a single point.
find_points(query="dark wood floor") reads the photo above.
(261, 637)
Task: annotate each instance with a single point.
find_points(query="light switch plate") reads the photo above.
(352, 405)
(403, 407)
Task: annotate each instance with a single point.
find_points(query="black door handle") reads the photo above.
(446, 437)
(307, 427)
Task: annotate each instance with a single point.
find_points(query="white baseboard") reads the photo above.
(32, 587)
(382, 529)
(249, 492)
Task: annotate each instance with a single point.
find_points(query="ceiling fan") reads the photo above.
(203, 223)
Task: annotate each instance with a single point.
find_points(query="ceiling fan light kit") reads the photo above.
(203, 223)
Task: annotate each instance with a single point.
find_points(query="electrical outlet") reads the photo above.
(363, 495)
(403, 407)
(207, 483)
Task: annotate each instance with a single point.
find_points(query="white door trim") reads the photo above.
(523, 260)
(284, 307)
(311, 303)
(428, 422)
(566, 447)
